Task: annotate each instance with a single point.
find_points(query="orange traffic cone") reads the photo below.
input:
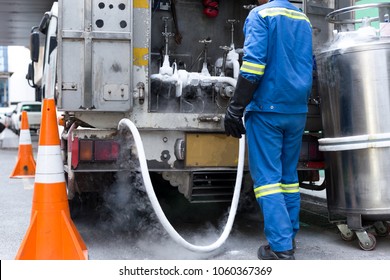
(52, 234)
(25, 166)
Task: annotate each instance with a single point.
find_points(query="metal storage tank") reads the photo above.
(354, 86)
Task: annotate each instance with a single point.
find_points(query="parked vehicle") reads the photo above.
(5, 116)
(2, 125)
(33, 109)
(176, 97)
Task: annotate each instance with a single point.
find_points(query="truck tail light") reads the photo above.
(315, 164)
(98, 150)
(106, 150)
(73, 147)
(86, 150)
(309, 149)
(311, 157)
(314, 152)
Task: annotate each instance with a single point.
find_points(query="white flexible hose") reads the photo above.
(156, 205)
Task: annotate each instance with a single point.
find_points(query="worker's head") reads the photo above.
(261, 2)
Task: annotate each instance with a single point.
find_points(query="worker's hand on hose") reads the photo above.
(233, 123)
(240, 99)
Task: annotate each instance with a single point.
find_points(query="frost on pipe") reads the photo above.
(157, 208)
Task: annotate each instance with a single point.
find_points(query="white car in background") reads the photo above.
(5, 117)
(33, 109)
(2, 122)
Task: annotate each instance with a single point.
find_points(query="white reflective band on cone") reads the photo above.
(49, 165)
(24, 137)
(49, 178)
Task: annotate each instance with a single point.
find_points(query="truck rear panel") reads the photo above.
(121, 59)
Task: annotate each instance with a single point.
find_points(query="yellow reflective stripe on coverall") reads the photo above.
(268, 189)
(283, 12)
(276, 188)
(252, 68)
(290, 188)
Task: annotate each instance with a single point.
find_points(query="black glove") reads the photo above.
(241, 98)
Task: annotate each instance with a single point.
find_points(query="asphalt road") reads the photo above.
(128, 237)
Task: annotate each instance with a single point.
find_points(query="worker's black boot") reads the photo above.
(265, 253)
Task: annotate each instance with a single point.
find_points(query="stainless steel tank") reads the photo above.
(354, 86)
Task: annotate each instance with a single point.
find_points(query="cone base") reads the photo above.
(24, 168)
(45, 242)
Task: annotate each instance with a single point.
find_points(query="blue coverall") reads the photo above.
(278, 55)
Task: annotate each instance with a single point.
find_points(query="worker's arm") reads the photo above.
(234, 113)
(252, 69)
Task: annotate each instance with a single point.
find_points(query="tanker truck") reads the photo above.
(170, 67)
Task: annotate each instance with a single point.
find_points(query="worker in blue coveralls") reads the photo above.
(273, 88)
